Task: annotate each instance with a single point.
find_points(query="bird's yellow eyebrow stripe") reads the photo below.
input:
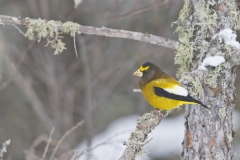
(144, 68)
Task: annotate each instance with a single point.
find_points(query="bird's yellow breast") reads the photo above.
(159, 102)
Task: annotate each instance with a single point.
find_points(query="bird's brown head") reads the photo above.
(148, 71)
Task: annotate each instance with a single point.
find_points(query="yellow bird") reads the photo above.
(162, 91)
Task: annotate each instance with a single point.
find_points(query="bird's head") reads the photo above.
(147, 71)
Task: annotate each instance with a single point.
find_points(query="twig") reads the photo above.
(105, 142)
(68, 155)
(145, 125)
(48, 143)
(143, 37)
(30, 155)
(75, 47)
(20, 31)
(147, 141)
(63, 137)
(39, 140)
(136, 90)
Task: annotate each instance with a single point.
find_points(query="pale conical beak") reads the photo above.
(138, 73)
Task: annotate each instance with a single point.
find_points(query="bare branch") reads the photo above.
(63, 137)
(37, 142)
(143, 37)
(48, 143)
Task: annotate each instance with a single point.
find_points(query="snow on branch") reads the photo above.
(52, 30)
(211, 61)
(229, 38)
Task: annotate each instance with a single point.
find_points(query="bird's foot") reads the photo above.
(161, 112)
(157, 111)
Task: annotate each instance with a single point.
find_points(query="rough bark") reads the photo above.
(208, 132)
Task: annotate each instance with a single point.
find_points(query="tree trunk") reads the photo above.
(208, 132)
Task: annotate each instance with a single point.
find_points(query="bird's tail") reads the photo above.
(196, 101)
(203, 105)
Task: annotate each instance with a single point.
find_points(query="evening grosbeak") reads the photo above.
(162, 91)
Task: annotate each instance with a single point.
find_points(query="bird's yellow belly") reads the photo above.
(162, 103)
(159, 102)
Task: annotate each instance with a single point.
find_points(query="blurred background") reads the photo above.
(39, 91)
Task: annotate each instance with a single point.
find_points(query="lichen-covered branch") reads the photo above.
(145, 124)
(51, 29)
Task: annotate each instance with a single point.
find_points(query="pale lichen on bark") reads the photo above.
(145, 124)
(50, 30)
(209, 132)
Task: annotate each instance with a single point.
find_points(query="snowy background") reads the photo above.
(165, 144)
(40, 90)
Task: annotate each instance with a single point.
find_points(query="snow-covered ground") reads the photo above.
(166, 142)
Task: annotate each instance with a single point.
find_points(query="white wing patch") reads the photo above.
(178, 90)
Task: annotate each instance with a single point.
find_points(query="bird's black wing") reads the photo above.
(163, 93)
